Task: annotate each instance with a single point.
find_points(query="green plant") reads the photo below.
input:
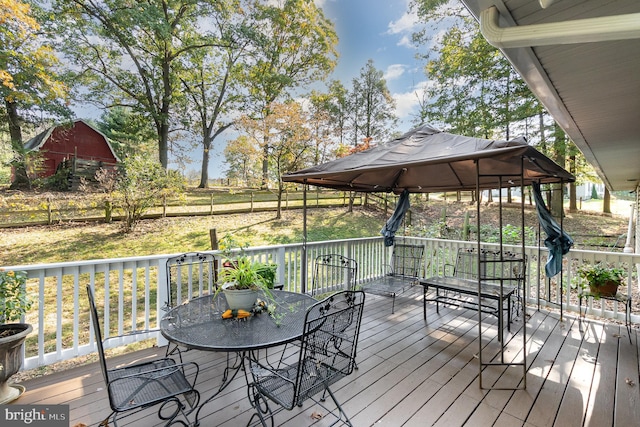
(139, 184)
(598, 275)
(268, 273)
(244, 274)
(14, 300)
(229, 245)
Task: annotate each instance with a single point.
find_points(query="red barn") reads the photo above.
(81, 148)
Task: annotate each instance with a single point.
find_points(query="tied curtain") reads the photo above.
(393, 223)
(557, 242)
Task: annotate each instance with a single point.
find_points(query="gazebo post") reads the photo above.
(303, 267)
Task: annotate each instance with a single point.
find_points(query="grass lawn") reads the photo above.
(82, 241)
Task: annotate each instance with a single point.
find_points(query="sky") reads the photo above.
(369, 29)
(379, 30)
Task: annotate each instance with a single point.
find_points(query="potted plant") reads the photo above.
(14, 303)
(268, 273)
(243, 282)
(602, 280)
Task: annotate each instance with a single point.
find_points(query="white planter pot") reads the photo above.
(239, 298)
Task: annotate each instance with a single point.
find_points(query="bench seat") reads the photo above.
(402, 274)
(500, 274)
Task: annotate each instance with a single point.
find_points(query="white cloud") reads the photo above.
(394, 71)
(406, 24)
(407, 103)
(405, 41)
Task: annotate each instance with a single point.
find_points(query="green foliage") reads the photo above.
(14, 301)
(130, 133)
(140, 182)
(268, 273)
(594, 192)
(599, 274)
(511, 234)
(372, 106)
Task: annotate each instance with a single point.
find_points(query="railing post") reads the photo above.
(162, 297)
(280, 261)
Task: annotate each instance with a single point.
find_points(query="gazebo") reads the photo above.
(426, 160)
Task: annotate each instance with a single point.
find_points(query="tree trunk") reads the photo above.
(20, 176)
(606, 205)
(204, 172)
(265, 163)
(573, 202)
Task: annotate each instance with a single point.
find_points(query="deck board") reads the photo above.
(416, 373)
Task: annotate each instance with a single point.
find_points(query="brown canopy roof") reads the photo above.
(427, 160)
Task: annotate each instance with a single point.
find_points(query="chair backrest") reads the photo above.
(333, 272)
(406, 260)
(189, 275)
(98, 334)
(495, 266)
(328, 350)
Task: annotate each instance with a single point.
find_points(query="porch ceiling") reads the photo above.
(591, 89)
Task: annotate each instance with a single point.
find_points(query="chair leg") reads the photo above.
(346, 420)
(261, 406)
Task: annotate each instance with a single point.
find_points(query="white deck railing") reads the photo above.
(136, 291)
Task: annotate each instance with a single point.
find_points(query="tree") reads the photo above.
(130, 54)
(295, 47)
(289, 140)
(372, 107)
(30, 84)
(242, 155)
(129, 133)
(138, 185)
(215, 84)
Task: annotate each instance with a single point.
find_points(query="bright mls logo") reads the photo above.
(34, 415)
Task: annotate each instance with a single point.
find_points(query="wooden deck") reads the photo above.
(413, 373)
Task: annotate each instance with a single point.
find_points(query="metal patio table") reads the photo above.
(198, 324)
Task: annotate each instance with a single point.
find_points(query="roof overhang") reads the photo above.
(581, 58)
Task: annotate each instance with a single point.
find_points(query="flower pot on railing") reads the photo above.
(602, 280)
(606, 289)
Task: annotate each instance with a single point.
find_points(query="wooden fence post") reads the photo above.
(49, 213)
(108, 211)
(213, 237)
(211, 206)
(164, 206)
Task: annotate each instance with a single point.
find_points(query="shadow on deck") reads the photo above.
(413, 373)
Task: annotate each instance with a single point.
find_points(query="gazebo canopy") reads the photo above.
(426, 160)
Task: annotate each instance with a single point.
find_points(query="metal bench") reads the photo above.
(501, 275)
(403, 272)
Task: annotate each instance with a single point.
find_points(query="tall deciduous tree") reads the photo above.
(296, 46)
(372, 107)
(215, 84)
(30, 85)
(242, 155)
(290, 145)
(130, 53)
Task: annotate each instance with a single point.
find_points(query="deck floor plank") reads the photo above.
(602, 396)
(413, 372)
(627, 398)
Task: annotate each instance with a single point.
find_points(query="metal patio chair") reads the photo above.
(326, 355)
(139, 386)
(189, 275)
(333, 272)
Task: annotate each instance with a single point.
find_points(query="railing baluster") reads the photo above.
(68, 278)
